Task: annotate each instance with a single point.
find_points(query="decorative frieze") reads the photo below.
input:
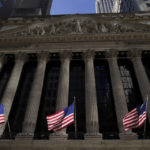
(76, 26)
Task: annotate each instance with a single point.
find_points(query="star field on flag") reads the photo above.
(135, 118)
(61, 119)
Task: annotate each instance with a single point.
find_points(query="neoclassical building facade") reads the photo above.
(102, 60)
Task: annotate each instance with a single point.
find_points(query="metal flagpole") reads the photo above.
(75, 122)
(9, 129)
(146, 116)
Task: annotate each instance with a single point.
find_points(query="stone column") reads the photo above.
(92, 123)
(119, 95)
(142, 78)
(2, 61)
(31, 114)
(63, 90)
(12, 85)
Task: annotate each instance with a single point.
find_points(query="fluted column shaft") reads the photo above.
(63, 86)
(118, 91)
(142, 78)
(11, 87)
(31, 114)
(92, 124)
(119, 95)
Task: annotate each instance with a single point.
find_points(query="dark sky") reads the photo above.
(72, 7)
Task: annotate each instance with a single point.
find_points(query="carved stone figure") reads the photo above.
(88, 26)
(104, 28)
(79, 26)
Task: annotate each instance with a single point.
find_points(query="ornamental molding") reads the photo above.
(134, 37)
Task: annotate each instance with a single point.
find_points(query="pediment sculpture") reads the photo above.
(80, 26)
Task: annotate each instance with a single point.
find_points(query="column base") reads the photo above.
(128, 136)
(93, 136)
(24, 136)
(58, 136)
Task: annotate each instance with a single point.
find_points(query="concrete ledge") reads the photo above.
(96, 136)
(58, 136)
(75, 145)
(24, 136)
(131, 136)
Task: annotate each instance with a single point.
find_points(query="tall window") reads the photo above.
(107, 115)
(130, 85)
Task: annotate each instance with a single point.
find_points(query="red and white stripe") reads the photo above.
(2, 118)
(132, 120)
(59, 121)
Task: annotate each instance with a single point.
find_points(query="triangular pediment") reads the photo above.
(74, 25)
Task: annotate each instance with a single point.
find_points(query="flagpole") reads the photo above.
(146, 116)
(75, 122)
(9, 129)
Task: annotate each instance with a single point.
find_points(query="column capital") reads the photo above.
(43, 56)
(112, 53)
(21, 57)
(89, 54)
(2, 56)
(135, 53)
(65, 55)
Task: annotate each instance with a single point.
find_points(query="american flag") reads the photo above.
(61, 119)
(135, 118)
(2, 119)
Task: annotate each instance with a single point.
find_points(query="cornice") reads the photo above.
(75, 38)
(110, 16)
